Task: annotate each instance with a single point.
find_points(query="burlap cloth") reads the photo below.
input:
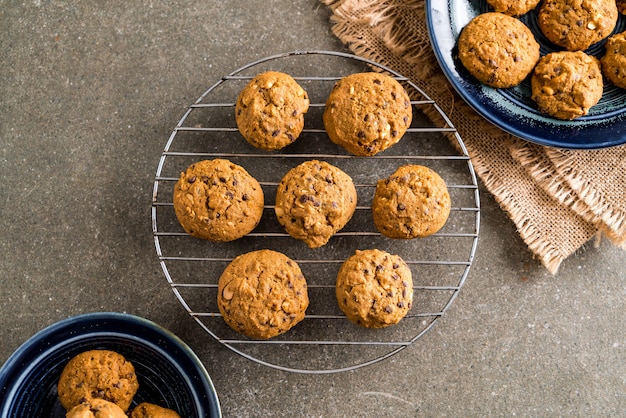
(558, 199)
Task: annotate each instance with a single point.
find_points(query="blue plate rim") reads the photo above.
(11, 371)
(584, 133)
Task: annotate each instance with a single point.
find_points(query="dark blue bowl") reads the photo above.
(169, 373)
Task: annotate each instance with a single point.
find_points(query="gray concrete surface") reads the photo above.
(89, 93)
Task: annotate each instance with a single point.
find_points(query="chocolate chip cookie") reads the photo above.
(577, 24)
(366, 113)
(513, 7)
(614, 60)
(497, 49)
(218, 200)
(148, 410)
(411, 203)
(567, 84)
(315, 200)
(270, 110)
(96, 408)
(374, 288)
(97, 374)
(262, 294)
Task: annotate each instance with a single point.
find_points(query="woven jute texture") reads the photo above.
(558, 199)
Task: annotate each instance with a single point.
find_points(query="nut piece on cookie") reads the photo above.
(497, 49)
(366, 113)
(262, 294)
(566, 84)
(97, 374)
(614, 60)
(218, 200)
(374, 288)
(411, 203)
(314, 200)
(577, 24)
(270, 110)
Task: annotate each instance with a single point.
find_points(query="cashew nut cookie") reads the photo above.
(577, 24)
(97, 374)
(374, 288)
(218, 200)
(567, 84)
(513, 7)
(96, 408)
(614, 60)
(148, 410)
(366, 113)
(497, 49)
(270, 110)
(411, 203)
(262, 294)
(314, 200)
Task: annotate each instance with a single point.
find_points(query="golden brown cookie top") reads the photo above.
(412, 203)
(497, 49)
(97, 374)
(614, 60)
(577, 24)
(367, 113)
(149, 410)
(96, 408)
(513, 7)
(218, 200)
(374, 288)
(314, 200)
(567, 84)
(262, 294)
(270, 110)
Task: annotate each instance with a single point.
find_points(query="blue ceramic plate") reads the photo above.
(169, 373)
(512, 109)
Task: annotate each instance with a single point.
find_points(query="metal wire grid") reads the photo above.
(325, 341)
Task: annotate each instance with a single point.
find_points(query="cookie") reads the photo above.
(411, 203)
(577, 24)
(270, 110)
(567, 84)
(374, 288)
(614, 60)
(513, 7)
(621, 6)
(218, 200)
(366, 113)
(497, 49)
(262, 294)
(97, 374)
(148, 410)
(96, 408)
(315, 200)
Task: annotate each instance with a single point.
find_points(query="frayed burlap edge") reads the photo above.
(394, 34)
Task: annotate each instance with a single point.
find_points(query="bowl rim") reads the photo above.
(41, 344)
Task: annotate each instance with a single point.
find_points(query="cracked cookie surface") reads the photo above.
(498, 49)
(367, 113)
(577, 24)
(270, 110)
(374, 288)
(218, 200)
(411, 203)
(262, 294)
(97, 374)
(567, 84)
(96, 408)
(314, 200)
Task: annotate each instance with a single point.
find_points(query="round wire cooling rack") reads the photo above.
(325, 341)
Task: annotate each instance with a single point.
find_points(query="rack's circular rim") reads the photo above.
(371, 63)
